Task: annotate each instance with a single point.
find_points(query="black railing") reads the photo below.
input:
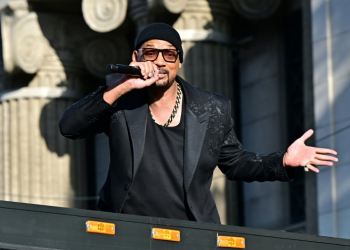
(27, 226)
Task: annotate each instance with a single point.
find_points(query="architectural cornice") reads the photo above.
(40, 92)
(210, 35)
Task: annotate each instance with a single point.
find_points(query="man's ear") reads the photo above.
(180, 65)
(135, 56)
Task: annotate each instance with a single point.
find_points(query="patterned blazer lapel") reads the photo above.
(195, 131)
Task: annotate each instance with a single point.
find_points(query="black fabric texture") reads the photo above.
(157, 189)
(160, 31)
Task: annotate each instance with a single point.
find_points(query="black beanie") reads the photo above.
(160, 31)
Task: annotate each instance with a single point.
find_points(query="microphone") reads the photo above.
(125, 70)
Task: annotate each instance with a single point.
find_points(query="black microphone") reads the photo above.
(125, 70)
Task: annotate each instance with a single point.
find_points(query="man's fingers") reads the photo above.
(144, 70)
(326, 158)
(153, 79)
(145, 67)
(306, 135)
(325, 151)
(147, 70)
(150, 69)
(321, 163)
(312, 168)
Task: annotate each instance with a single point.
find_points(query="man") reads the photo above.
(166, 137)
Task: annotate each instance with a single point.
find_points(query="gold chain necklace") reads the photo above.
(177, 103)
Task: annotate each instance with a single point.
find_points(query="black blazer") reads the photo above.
(210, 141)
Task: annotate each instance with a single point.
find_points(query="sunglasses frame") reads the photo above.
(159, 50)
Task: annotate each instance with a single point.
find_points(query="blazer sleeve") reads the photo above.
(88, 116)
(238, 164)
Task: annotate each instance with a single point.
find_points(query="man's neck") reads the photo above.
(161, 104)
(162, 97)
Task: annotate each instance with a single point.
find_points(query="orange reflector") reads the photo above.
(100, 227)
(165, 234)
(232, 242)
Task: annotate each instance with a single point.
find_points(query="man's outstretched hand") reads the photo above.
(300, 155)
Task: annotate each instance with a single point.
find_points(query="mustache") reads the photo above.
(163, 71)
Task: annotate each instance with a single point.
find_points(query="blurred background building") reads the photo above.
(284, 64)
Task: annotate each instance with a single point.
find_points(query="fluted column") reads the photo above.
(52, 60)
(37, 164)
(204, 29)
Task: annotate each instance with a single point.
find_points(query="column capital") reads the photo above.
(173, 6)
(19, 7)
(104, 15)
(204, 20)
(24, 44)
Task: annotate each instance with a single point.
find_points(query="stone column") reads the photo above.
(105, 16)
(52, 60)
(37, 164)
(204, 29)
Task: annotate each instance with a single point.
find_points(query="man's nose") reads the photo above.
(160, 60)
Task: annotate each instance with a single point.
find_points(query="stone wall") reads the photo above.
(330, 34)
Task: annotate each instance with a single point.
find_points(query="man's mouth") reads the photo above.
(163, 73)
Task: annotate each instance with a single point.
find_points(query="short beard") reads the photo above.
(166, 84)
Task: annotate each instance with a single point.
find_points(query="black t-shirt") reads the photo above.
(158, 189)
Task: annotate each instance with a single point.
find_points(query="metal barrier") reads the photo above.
(34, 227)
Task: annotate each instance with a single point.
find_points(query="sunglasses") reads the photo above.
(151, 54)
